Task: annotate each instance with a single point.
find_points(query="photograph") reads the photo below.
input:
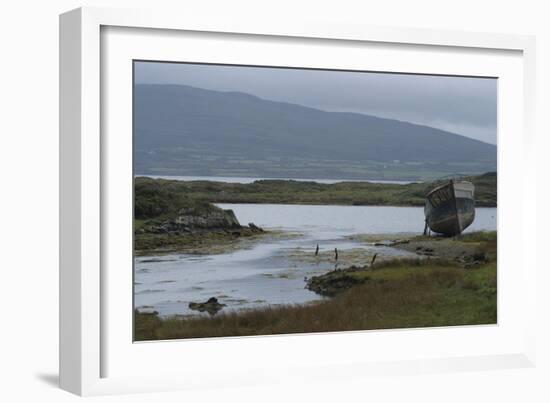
(281, 200)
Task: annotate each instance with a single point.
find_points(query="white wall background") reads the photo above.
(29, 196)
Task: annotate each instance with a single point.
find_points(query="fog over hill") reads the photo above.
(182, 130)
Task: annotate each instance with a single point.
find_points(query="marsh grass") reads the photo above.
(398, 294)
(485, 243)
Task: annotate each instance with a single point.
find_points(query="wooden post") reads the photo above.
(372, 261)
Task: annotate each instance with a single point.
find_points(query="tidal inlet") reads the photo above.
(274, 200)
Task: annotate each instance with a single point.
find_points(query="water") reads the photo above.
(265, 273)
(239, 179)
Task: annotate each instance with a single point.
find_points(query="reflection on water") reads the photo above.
(265, 274)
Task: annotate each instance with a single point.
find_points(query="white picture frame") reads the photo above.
(88, 335)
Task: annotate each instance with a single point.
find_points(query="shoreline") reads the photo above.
(206, 243)
(455, 288)
(177, 216)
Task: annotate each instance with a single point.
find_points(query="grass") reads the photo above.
(479, 237)
(484, 241)
(157, 196)
(398, 294)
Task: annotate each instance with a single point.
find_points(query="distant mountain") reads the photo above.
(183, 130)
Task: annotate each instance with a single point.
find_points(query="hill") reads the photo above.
(182, 130)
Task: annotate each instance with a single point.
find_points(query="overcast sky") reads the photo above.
(466, 106)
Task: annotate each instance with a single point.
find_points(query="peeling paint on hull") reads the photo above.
(450, 208)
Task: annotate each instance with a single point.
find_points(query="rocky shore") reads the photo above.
(207, 229)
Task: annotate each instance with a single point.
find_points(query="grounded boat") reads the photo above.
(450, 208)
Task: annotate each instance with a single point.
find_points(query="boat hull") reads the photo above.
(450, 208)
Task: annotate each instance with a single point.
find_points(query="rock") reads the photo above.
(212, 306)
(479, 256)
(215, 218)
(254, 227)
(192, 220)
(393, 242)
(147, 311)
(470, 265)
(334, 282)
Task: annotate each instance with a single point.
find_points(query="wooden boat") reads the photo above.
(450, 208)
